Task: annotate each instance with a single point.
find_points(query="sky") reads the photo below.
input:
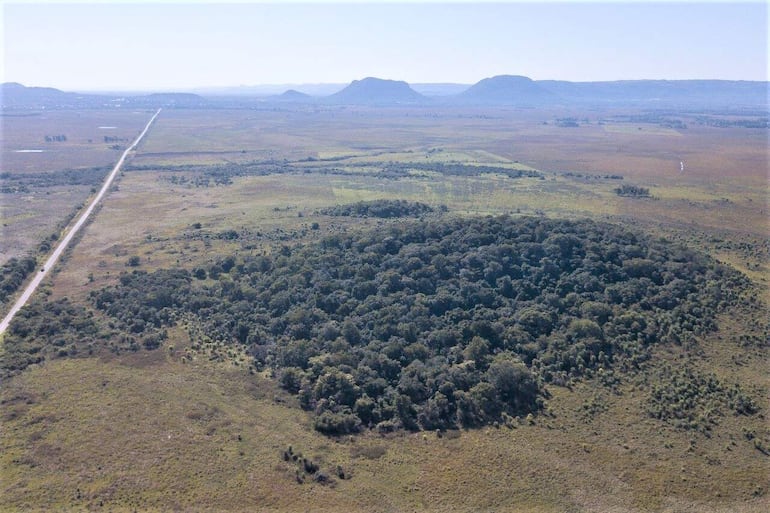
(184, 45)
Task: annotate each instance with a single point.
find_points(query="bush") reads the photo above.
(330, 423)
(691, 400)
(633, 191)
(13, 273)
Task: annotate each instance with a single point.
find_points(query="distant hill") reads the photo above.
(506, 90)
(502, 90)
(15, 95)
(292, 95)
(376, 91)
(267, 90)
(18, 96)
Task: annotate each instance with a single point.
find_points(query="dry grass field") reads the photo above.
(178, 429)
(84, 146)
(33, 213)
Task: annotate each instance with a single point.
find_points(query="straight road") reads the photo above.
(49, 264)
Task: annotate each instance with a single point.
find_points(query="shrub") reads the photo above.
(330, 423)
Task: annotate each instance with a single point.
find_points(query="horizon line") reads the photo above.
(127, 89)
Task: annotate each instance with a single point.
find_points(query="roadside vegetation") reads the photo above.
(13, 274)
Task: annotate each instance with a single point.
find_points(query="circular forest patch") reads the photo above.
(437, 323)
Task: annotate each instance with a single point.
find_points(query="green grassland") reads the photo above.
(194, 429)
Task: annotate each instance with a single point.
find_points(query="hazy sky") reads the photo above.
(182, 45)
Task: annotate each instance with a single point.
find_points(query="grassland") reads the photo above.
(84, 145)
(721, 192)
(180, 429)
(34, 211)
(149, 432)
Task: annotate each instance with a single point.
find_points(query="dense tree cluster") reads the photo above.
(458, 169)
(380, 208)
(633, 191)
(47, 329)
(589, 176)
(223, 174)
(439, 323)
(13, 273)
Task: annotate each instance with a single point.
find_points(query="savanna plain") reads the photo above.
(312, 308)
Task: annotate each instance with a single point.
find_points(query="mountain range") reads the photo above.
(501, 90)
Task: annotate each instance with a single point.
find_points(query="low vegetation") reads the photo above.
(195, 175)
(633, 191)
(691, 400)
(13, 183)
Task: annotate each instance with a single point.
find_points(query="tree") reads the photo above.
(514, 385)
(438, 413)
(338, 386)
(477, 351)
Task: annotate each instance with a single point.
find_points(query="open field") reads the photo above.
(84, 145)
(39, 191)
(188, 429)
(723, 195)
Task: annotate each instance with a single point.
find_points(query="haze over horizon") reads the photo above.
(139, 46)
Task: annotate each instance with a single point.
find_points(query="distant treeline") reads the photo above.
(567, 122)
(737, 119)
(634, 191)
(664, 120)
(575, 174)
(21, 182)
(223, 174)
(763, 122)
(380, 208)
(457, 169)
